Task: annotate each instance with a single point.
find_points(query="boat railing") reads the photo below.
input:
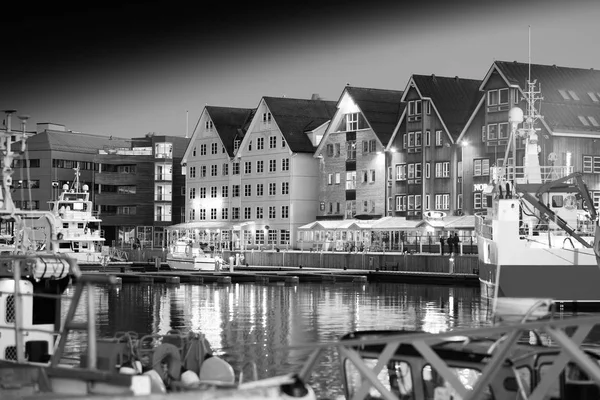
(511, 333)
(83, 284)
(521, 174)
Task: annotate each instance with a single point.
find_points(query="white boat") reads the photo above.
(534, 240)
(186, 254)
(77, 225)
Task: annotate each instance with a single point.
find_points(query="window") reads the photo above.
(247, 190)
(400, 172)
(235, 189)
(593, 121)
(427, 105)
(442, 169)
(260, 237)
(248, 167)
(203, 171)
(209, 125)
(271, 236)
(573, 95)
(213, 213)
(350, 208)
(583, 120)
(213, 191)
(202, 192)
(225, 169)
(284, 236)
(351, 122)
(468, 377)
(329, 150)
(337, 150)
(329, 179)
(372, 176)
(564, 94)
(427, 202)
(503, 130)
(283, 144)
(285, 188)
(247, 213)
(235, 169)
(477, 200)
(492, 98)
(272, 212)
(438, 138)
(272, 189)
(285, 164)
(503, 96)
(194, 152)
(259, 213)
(411, 139)
(224, 191)
(350, 180)
(492, 131)
(203, 149)
(272, 165)
(267, 117)
(442, 201)
(351, 150)
(225, 213)
(259, 189)
(260, 166)
(285, 211)
(337, 178)
(591, 164)
(236, 145)
(192, 172)
(414, 107)
(260, 143)
(213, 170)
(214, 148)
(272, 142)
(202, 214)
(427, 138)
(481, 167)
(235, 213)
(418, 138)
(401, 203)
(427, 170)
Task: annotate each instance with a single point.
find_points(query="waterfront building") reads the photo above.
(131, 181)
(140, 189)
(212, 177)
(352, 163)
(278, 173)
(568, 135)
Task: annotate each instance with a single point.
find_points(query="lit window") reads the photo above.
(564, 94)
(583, 120)
(573, 95)
(593, 121)
(593, 97)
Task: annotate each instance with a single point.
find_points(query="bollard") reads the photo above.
(231, 264)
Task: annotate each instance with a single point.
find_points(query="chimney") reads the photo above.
(315, 96)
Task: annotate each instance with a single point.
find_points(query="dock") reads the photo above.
(280, 276)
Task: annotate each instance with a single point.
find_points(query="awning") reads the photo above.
(395, 223)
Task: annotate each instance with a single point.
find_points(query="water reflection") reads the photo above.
(251, 323)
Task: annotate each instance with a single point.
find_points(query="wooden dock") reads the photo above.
(286, 276)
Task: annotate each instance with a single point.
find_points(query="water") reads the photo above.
(252, 323)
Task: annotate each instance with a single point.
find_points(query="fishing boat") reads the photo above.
(187, 254)
(78, 230)
(33, 334)
(539, 237)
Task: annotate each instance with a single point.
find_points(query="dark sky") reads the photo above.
(126, 70)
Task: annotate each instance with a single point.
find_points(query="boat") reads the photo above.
(33, 334)
(187, 254)
(539, 236)
(524, 356)
(78, 229)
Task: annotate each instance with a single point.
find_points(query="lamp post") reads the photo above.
(464, 144)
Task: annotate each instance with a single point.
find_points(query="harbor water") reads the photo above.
(251, 323)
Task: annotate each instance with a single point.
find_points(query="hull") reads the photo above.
(567, 275)
(191, 263)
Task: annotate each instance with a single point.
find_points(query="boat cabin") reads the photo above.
(409, 376)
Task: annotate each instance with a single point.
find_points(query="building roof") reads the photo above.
(295, 117)
(454, 98)
(381, 108)
(560, 114)
(231, 123)
(74, 142)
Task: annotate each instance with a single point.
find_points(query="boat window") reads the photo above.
(397, 378)
(554, 390)
(521, 381)
(557, 201)
(436, 387)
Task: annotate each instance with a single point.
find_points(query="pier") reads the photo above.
(283, 276)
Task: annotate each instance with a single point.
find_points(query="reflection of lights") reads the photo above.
(435, 320)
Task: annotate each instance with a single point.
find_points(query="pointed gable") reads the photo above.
(230, 123)
(381, 108)
(295, 117)
(567, 104)
(454, 98)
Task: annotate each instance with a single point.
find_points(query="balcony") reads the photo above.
(164, 155)
(162, 218)
(163, 197)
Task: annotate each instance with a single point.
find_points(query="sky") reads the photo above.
(125, 70)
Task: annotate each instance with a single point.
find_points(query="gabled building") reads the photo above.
(278, 174)
(352, 163)
(568, 135)
(212, 175)
(423, 173)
